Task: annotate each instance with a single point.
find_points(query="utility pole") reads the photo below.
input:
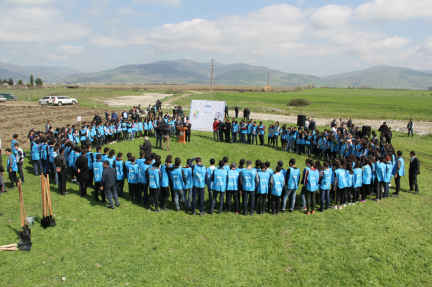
(268, 81)
(211, 83)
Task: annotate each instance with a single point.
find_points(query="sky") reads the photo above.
(300, 36)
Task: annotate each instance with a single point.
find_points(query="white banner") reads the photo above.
(203, 113)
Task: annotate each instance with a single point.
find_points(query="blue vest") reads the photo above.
(293, 178)
(350, 179)
(220, 180)
(389, 170)
(249, 179)
(111, 161)
(97, 171)
(119, 170)
(132, 176)
(367, 175)
(89, 159)
(401, 169)
(357, 177)
(233, 176)
(264, 182)
(35, 153)
(154, 178)
(312, 180)
(177, 179)
(381, 171)
(165, 179)
(278, 183)
(14, 163)
(188, 175)
(209, 177)
(94, 156)
(326, 179)
(44, 154)
(199, 176)
(341, 178)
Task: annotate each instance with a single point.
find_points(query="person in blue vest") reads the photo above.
(154, 178)
(132, 177)
(188, 185)
(276, 133)
(277, 183)
(14, 140)
(325, 175)
(20, 161)
(209, 181)
(261, 133)
(234, 131)
(111, 158)
(340, 184)
(178, 181)
(220, 180)
(89, 156)
(249, 181)
(225, 165)
(12, 168)
(120, 172)
(97, 173)
(165, 182)
(83, 136)
(249, 132)
(303, 190)
(388, 175)
(350, 181)
(311, 182)
(53, 155)
(357, 184)
(292, 180)
(398, 172)
(262, 187)
(44, 156)
(380, 173)
(199, 176)
(254, 133)
(366, 179)
(232, 188)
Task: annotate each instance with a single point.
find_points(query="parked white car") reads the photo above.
(2, 99)
(59, 101)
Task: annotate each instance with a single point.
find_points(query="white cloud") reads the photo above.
(106, 42)
(125, 11)
(70, 50)
(167, 3)
(383, 10)
(38, 24)
(331, 16)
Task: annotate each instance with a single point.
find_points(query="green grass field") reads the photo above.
(386, 243)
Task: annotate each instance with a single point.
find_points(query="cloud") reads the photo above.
(30, 2)
(38, 24)
(384, 10)
(167, 3)
(125, 11)
(107, 42)
(71, 50)
(331, 16)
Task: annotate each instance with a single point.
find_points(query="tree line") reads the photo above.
(10, 82)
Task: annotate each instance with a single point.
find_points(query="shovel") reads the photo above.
(44, 221)
(51, 220)
(25, 243)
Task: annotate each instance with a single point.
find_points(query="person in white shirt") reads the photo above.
(307, 122)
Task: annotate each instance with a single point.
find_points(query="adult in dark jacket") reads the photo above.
(97, 118)
(312, 125)
(108, 184)
(414, 170)
(146, 147)
(246, 113)
(221, 127)
(226, 111)
(236, 111)
(83, 172)
(227, 131)
(188, 131)
(61, 165)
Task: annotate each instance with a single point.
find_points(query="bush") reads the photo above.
(297, 89)
(299, 102)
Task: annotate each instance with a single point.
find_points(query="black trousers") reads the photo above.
(20, 172)
(83, 186)
(276, 203)
(261, 203)
(365, 190)
(413, 180)
(310, 200)
(246, 196)
(188, 137)
(165, 195)
(154, 193)
(97, 190)
(232, 194)
(13, 178)
(227, 137)
(397, 182)
(221, 133)
(261, 137)
(236, 114)
(379, 192)
(62, 176)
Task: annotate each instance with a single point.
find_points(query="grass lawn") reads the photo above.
(385, 243)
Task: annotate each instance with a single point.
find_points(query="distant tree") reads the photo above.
(20, 82)
(31, 80)
(11, 82)
(28, 85)
(38, 82)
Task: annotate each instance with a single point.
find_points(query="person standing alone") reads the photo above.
(414, 170)
(410, 128)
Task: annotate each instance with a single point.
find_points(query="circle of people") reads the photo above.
(352, 166)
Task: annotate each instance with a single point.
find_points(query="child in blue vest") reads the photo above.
(277, 182)
(97, 173)
(324, 186)
(311, 183)
(220, 180)
(232, 188)
(12, 168)
(292, 179)
(398, 172)
(154, 178)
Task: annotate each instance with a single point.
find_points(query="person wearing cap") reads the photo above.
(414, 170)
(232, 188)
(249, 181)
(410, 127)
(220, 181)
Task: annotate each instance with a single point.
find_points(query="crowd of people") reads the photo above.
(353, 166)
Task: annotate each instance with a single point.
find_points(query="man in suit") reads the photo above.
(410, 127)
(188, 131)
(60, 163)
(246, 113)
(226, 111)
(83, 172)
(221, 127)
(414, 170)
(312, 125)
(227, 131)
(108, 183)
(236, 111)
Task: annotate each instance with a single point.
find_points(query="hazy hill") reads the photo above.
(385, 77)
(186, 71)
(47, 74)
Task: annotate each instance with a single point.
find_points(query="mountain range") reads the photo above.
(190, 72)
